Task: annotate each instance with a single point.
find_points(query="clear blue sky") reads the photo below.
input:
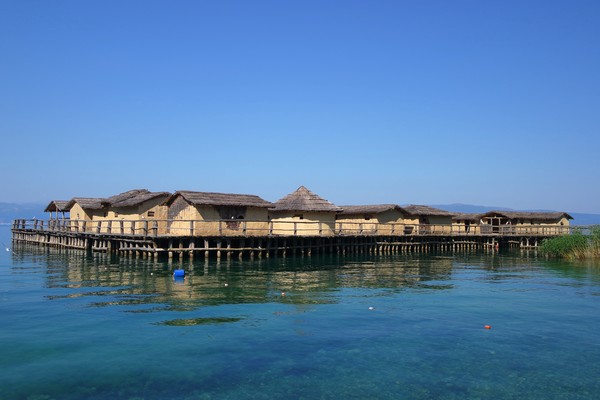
(429, 102)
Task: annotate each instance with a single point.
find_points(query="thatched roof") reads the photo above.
(130, 198)
(87, 203)
(57, 206)
(427, 211)
(535, 216)
(123, 197)
(371, 209)
(220, 199)
(473, 217)
(134, 199)
(304, 200)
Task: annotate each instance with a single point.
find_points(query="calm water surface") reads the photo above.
(399, 327)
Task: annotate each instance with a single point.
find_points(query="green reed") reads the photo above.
(574, 246)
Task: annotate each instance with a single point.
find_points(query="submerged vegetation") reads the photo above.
(574, 246)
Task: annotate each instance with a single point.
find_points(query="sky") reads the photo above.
(491, 103)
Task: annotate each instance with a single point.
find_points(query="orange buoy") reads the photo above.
(488, 327)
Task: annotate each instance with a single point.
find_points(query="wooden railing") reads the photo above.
(279, 228)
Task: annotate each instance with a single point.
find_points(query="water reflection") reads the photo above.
(127, 281)
(146, 285)
(410, 327)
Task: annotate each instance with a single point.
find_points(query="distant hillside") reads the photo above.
(578, 218)
(11, 211)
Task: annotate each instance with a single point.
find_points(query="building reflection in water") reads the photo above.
(108, 280)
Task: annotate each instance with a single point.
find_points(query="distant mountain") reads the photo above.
(578, 218)
(11, 211)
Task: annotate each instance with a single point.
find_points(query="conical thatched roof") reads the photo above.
(304, 200)
(219, 199)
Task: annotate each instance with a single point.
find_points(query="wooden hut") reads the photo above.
(303, 213)
(85, 208)
(216, 214)
(523, 222)
(57, 206)
(134, 212)
(380, 219)
(465, 223)
(116, 214)
(428, 220)
(135, 205)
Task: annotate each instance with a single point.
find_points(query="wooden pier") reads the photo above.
(242, 243)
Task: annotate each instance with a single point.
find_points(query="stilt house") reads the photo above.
(85, 208)
(428, 220)
(119, 213)
(381, 219)
(216, 214)
(466, 223)
(135, 205)
(303, 213)
(512, 222)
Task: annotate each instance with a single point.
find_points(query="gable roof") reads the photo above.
(304, 200)
(134, 198)
(87, 203)
(371, 209)
(130, 198)
(466, 217)
(537, 216)
(427, 211)
(219, 199)
(57, 205)
(123, 197)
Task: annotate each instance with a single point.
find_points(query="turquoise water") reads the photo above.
(402, 327)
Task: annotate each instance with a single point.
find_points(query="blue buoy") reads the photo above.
(179, 273)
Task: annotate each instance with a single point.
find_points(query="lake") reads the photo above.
(77, 326)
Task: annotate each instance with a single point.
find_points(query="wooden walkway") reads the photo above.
(223, 239)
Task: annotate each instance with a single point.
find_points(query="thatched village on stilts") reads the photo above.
(189, 224)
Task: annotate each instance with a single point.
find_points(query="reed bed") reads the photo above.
(576, 246)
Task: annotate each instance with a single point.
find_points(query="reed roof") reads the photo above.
(427, 211)
(57, 205)
(123, 197)
(473, 217)
(371, 209)
(220, 199)
(532, 215)
(304, 200)
(129, 199)
(87, 203)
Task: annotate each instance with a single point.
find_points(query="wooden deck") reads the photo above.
(241, 238)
